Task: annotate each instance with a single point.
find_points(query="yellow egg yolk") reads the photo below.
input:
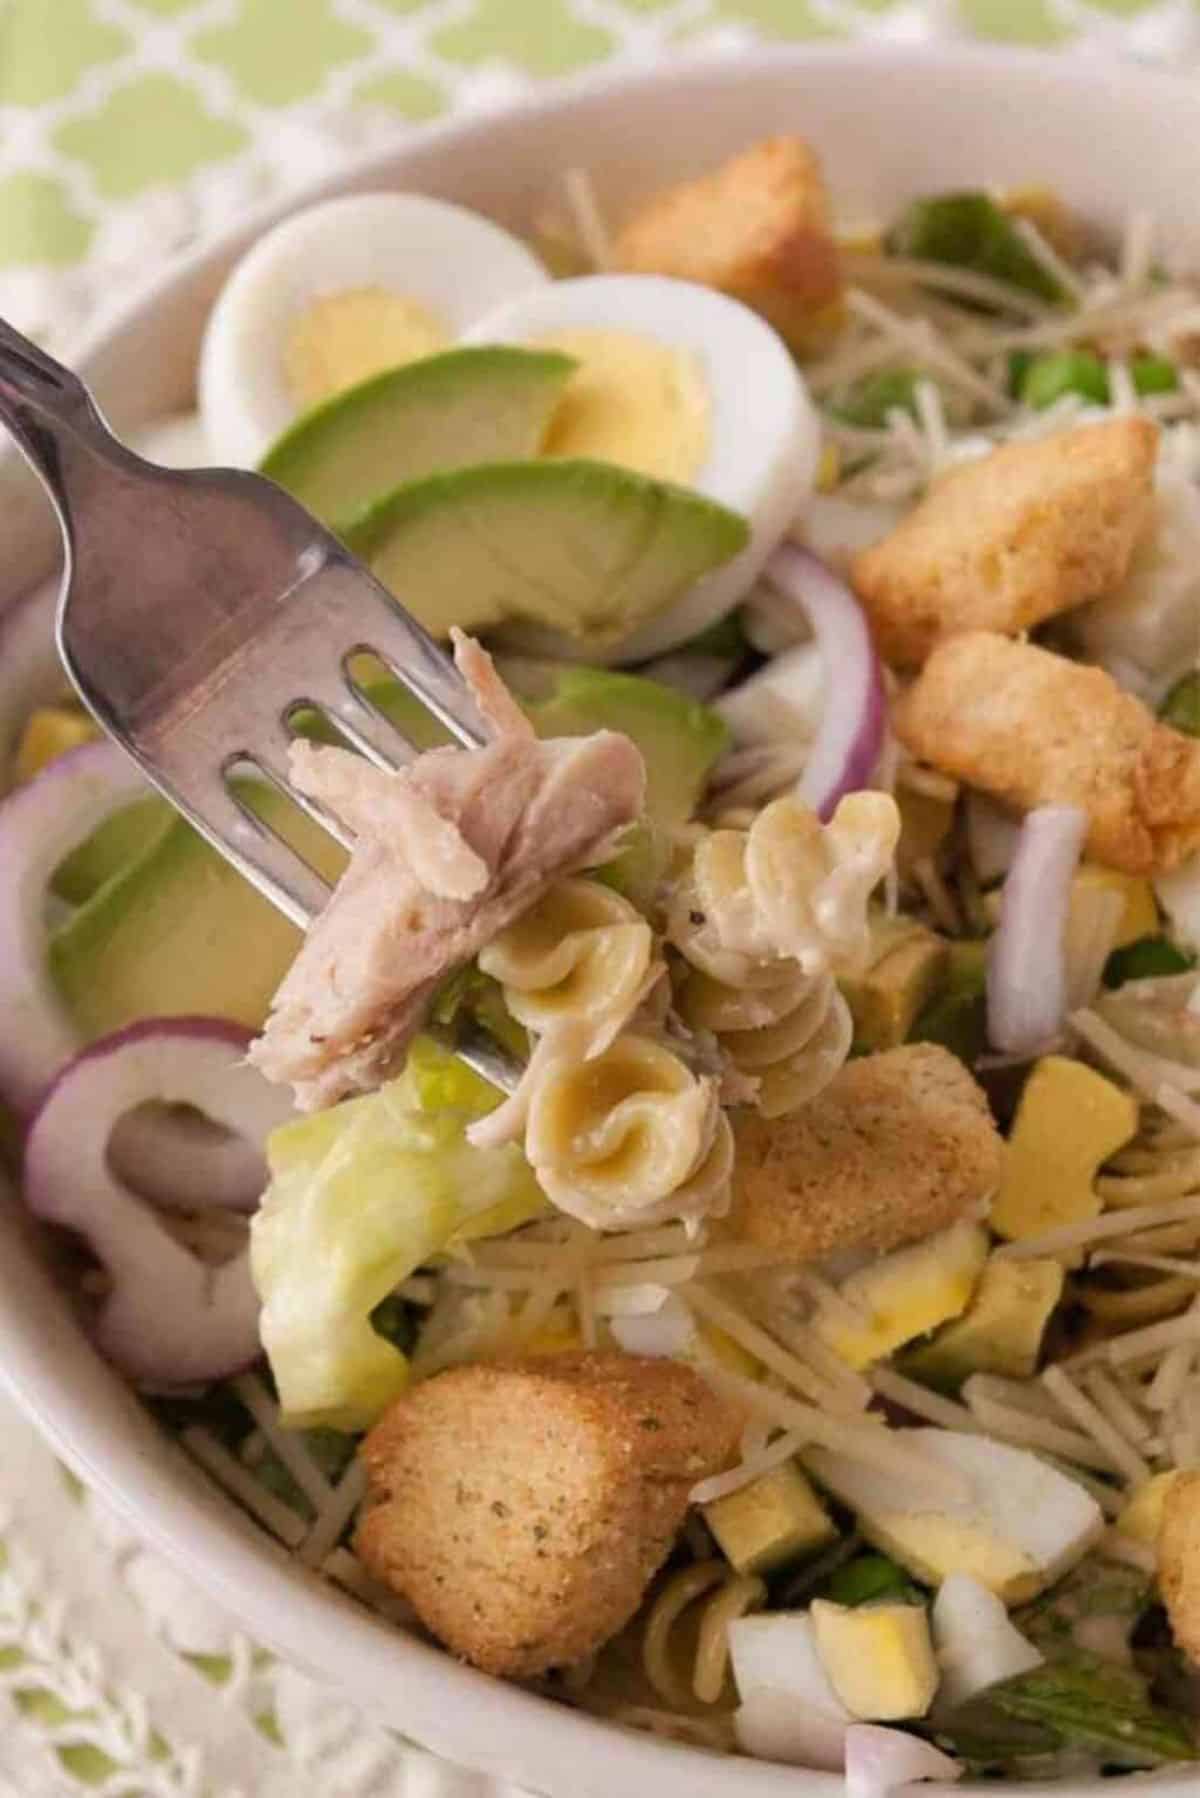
(341, 338)
(631, 401)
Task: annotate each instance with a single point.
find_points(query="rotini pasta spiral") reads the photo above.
(719, 1596)
(762, 918)
(630, 1137)
(579, 961)
(573, 970)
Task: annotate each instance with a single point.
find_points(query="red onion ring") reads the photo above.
(31, 673)
(849, 738)
(170, 1319)
(182, 1161)
(879, 1760)
(1027, 972)
(39, 825)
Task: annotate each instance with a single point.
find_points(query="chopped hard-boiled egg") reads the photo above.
(1001, 1330)
(904, 1295)
(49, 733)
(879, 1658)
(975, 1641)
(774, 1519)
(789, 1710)
(995, 1512)
(680, 382)
(1070, 1120)
(1143, 1514)
(341, 291)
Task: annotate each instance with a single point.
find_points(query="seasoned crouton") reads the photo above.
(899, 1145)
(1032, 728)
(1002, 543)
(523, 1508)
(1179, 1562)
(757, 227)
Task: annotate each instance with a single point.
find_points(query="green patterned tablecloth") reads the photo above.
(129, 126)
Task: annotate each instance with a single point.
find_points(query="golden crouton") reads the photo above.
(1179, 1562)
(899, 1145)
(757, 227)
(1032, 728)
(523, 1508)
(1002, 543)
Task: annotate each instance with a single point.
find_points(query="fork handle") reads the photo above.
(48, 411)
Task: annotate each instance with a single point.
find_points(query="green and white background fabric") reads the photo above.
(129, 128)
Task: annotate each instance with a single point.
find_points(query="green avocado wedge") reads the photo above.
(679, 738)
(586, 548)
(486, 403)
(178, 931)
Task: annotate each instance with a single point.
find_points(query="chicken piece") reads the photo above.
(1002, 543)
(899, 1145)
(522, 1509)
(1032, 728)
(447, 853)
(1179, 1562)
(758, 227)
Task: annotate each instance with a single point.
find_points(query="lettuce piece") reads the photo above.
(360, 1196)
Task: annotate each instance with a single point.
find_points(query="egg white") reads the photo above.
(455, 263)
(177, 441)
(764, 437)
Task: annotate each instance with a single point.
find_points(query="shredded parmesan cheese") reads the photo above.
(1093, 1422)
(271, 1512)
(1120, 1223)
(590, 229)
(720, 1485)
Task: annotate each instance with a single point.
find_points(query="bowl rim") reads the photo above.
(469, 1718)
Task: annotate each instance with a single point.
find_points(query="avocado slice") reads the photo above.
(679, 738)
(774, 1519)
(118, 841)
(487, 403)
(905, 966)
(1001, 1330)
(586, 548)
(179, 931)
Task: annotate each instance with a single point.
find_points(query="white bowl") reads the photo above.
(890, 123)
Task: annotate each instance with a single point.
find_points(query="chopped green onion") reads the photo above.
(969, 230)
(868, 1578)
(1181, 708)
(869, 401)
(1154, 374)
(1150, 958)
(1058, 372)
(1018, 362)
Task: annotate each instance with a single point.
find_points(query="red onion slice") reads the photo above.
(170, 1319)
(31, 673)
(850, 735)
(182, 1161)
(880, 1760)
(1027, 972)
(39, 825)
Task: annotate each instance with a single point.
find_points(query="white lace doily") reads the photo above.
(120, 1679)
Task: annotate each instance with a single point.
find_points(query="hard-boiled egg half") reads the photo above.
(682, 383)
(342, 291)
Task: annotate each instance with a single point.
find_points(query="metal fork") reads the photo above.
(200, 613)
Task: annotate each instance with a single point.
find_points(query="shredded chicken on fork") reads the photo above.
(447, 852)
